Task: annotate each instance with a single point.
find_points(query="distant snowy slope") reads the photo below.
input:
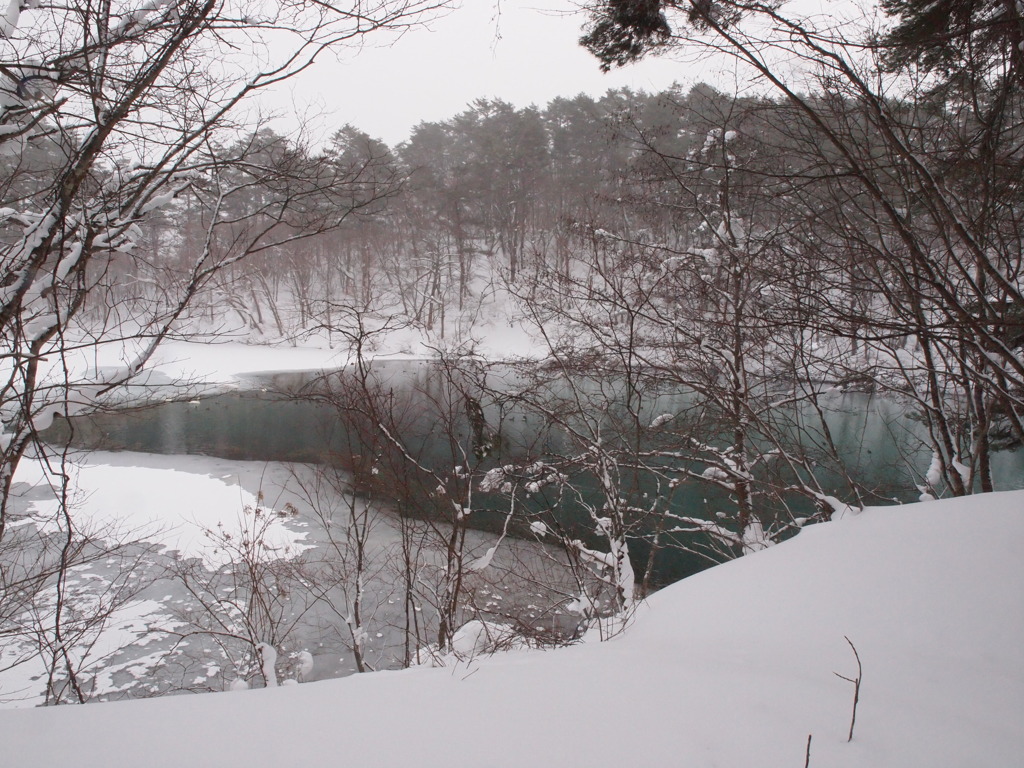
(732, 667)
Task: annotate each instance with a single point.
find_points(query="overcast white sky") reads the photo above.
(526, 54)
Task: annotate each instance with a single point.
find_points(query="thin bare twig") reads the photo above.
(856, 690)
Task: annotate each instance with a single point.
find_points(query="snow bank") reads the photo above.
(732, 667)
(226, 363)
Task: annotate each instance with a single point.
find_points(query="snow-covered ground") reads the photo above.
(733, 667)
(496, 335)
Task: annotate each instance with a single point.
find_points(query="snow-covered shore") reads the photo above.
(226, 360)
(732, 667)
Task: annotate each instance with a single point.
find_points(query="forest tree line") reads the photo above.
(700, 230)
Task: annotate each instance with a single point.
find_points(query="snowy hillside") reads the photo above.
(732, 667)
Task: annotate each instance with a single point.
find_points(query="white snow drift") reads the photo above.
(732, 667)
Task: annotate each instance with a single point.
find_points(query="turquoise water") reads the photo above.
(878, 440)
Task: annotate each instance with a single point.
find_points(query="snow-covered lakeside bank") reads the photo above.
(225, 360)
(734, 666)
